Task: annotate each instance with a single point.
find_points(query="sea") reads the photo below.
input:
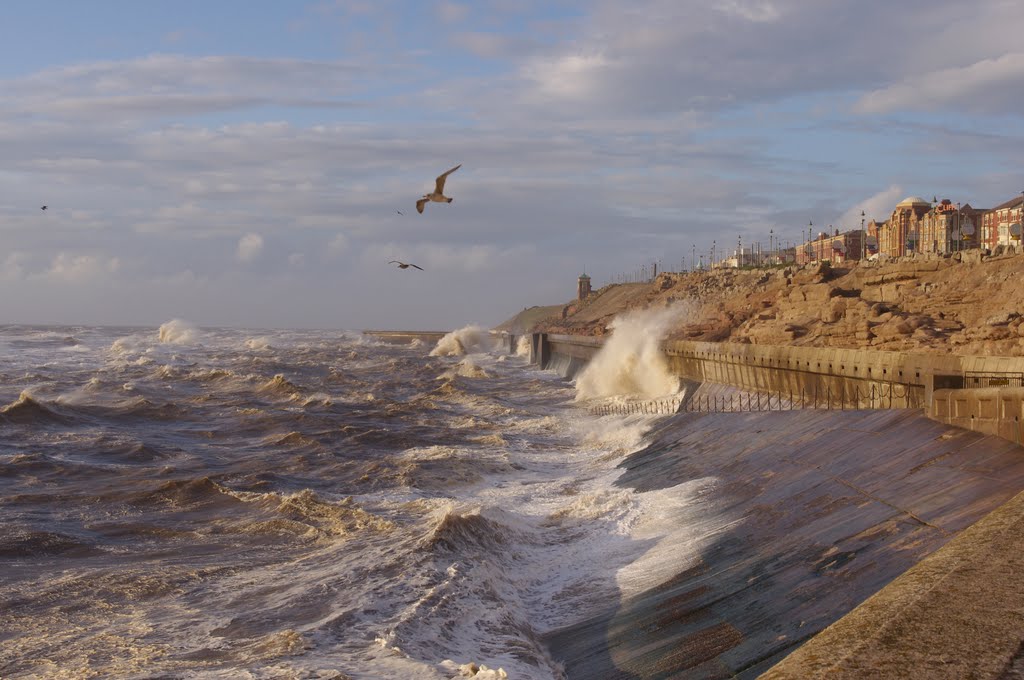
(186, 502)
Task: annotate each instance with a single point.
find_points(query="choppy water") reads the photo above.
(196, 503)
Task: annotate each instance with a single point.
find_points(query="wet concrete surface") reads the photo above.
(831, 507)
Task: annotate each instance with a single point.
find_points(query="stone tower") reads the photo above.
(583, 287)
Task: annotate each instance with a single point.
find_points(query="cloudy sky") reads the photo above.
(242, 162)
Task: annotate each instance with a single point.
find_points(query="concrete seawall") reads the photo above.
(852, 378)
(907, 508)
(824, 509)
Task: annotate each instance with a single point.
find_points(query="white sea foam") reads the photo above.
(259, 343)
(631, 361)
(523, 346)
(466, 340)
(467, 368)
(178, 332)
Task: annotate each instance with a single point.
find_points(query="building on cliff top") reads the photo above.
(583, 287)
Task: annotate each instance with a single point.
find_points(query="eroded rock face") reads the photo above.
(968, 305)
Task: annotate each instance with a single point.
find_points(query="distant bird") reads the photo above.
(403, 265)
(438, 195)
(399, 212)
(43, 208)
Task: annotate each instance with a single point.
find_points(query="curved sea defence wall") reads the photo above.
(872, 542)
(805, 376)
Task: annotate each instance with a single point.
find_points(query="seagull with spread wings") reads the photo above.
(404, 265)
(438, 195)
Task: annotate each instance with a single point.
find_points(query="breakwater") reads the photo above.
(405, 337)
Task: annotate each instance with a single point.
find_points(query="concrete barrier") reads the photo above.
(823, 377)
(991, 410)
(406, 337)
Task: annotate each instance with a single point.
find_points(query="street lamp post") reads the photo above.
(959, 236)
(771, 246)
(863, 239)
(809, 249)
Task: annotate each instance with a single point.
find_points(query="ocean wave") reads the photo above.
(460, 530)
(631, 361)
(260, 343)
(132, 452)
(27, 410)
(306, 514)
(523, 346)
(463, 341)
(134, 407)
(279, 386)
(19, 542)
(177, 332)
(184, 493)
(467, 368)
(591, 506)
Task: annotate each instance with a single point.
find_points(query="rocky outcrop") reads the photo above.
(966, 305)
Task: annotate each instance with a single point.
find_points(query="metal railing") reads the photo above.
(880, 396)
(975, 380)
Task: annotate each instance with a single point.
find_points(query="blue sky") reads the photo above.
(241, 163)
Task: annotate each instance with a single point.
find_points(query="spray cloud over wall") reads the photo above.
(468, 340)
(631, 361)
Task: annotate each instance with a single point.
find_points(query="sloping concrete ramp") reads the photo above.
(832, 506)
(957, 614)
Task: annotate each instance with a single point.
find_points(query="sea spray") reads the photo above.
(631, 361)
(523, 346)
(178, 332)
(466, 340)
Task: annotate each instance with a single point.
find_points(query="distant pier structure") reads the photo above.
(405, 337)
(583, 287)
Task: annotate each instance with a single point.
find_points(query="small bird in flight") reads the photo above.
(43, 208)
(399, 212)
(403, 265)
(438, 195)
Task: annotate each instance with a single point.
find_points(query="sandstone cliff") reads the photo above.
(966, 304)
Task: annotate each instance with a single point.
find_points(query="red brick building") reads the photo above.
(996, 223)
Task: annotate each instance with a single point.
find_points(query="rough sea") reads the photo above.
(183, 502)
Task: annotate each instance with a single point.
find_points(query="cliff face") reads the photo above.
(963, 304)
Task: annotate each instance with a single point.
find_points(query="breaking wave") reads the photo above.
(178, 332)
(466, 340)
(26, 410)
(523, 346)
(631, 361)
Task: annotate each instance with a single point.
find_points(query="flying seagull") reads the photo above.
(43, 208)
(438, 195)
(403, 265)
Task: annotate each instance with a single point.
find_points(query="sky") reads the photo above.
(243, 163)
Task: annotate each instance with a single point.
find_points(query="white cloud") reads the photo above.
(81, 268)
(249, 247)
(168, 85)
(338, 245)
(989, 85)
(13, 266)
(751, 11)
(876, 207)
(452, 12)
